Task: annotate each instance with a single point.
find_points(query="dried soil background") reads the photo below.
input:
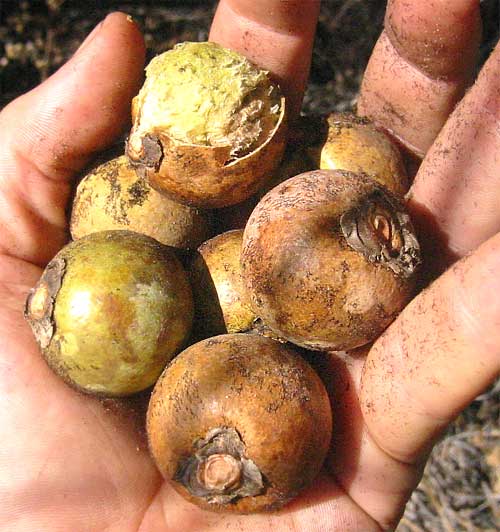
(460, 490)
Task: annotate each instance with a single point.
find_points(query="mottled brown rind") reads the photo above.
(295, 161)
(305, 279)
(205, 176)
(264, 391)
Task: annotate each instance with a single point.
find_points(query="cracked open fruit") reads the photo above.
(113, 196)
(329, 259)
(208, 125)
(110, 310)
(239, 423)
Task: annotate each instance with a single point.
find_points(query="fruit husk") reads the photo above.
(262, 390)
(208, 126)
(113, 197)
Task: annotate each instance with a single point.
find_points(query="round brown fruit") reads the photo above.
(208, 125)
(113, 196)
(329, 259)
(221, 303)
(354, 144)
(239, 423)
(110, 310)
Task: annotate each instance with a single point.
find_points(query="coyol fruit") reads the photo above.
(354, 144)
(239, 423)
(110, 310)
(329, 259)
(208, 126)
(221, 304)
(113, 196)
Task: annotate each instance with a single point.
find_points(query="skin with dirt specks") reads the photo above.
(113, 196)
(263, 390)
(123, 309)
(305, 281)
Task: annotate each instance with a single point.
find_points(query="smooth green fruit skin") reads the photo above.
(123, 311)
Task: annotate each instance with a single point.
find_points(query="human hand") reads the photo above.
(72, 463)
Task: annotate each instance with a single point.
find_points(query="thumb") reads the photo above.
(51, 132)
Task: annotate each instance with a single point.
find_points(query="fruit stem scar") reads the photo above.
(39, 307)
(378, 228)
(218, 470)
(39, 301)
(382, 227)
(151, 153)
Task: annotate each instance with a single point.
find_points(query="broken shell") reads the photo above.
(208, 126)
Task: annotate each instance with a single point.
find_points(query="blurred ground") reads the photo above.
(460, 490)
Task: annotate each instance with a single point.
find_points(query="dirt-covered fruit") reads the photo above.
(221, 303)
(329, 259)
(113, 196)
(110, 310)
(355, 144)
(208, 125)
(239, 423)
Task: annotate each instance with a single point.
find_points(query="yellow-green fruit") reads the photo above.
(354, 144)
(220, 298)
(113, 196)
(110, 310)
(208, 125)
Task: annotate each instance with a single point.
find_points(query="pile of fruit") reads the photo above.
(313, 249)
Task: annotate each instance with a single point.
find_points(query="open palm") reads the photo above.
(73, 462)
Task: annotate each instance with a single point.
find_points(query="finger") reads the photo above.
(420, 68)
(375, 481)
(278, 36)
(457, 190)
(441, 352)
(52, 131)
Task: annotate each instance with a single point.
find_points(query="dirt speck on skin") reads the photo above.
(459, 490)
